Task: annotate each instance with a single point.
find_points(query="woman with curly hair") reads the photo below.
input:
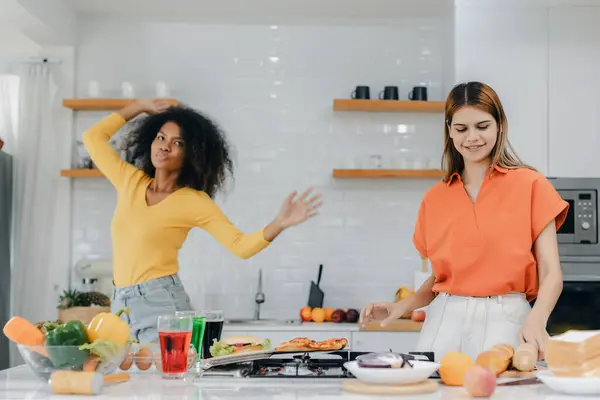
(180, 161)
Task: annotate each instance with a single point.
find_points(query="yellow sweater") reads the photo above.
(146, 239)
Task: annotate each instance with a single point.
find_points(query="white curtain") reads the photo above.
(37, 170)
(9, 103)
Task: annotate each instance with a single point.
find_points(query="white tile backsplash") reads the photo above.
(272, 92)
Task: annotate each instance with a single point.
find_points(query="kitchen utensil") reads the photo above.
(519, 382)
(356, 386)
(316, 295)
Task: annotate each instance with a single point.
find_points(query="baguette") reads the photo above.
(525, 357)
(497, 359)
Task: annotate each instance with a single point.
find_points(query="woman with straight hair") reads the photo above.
(489, 231)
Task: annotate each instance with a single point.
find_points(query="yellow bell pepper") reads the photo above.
(109, 326)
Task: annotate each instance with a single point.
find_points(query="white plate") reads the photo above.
(583, 386)
(420, 371)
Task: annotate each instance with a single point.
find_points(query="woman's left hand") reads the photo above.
(534, 332)
(297, 210)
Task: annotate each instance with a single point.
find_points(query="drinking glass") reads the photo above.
(198, 325)
(175, 334)
(212, 330)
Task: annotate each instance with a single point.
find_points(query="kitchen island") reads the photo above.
(21, 383)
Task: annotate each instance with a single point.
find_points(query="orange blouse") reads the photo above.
(485, 248)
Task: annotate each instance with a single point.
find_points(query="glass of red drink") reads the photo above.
(175, 334)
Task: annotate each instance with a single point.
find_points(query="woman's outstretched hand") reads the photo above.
(294, 211)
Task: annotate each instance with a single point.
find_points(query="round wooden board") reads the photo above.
(356, 386)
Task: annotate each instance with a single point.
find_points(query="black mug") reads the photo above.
(361, 92)
(418, 93)
(389, 93)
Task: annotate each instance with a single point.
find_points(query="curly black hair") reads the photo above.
(207, 159)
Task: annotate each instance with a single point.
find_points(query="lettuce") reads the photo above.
(266, 344)
(107, 352)
(219, 349)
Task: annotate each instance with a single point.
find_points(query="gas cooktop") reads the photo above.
(301, 365)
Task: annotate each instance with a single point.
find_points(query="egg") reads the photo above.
(143, 358)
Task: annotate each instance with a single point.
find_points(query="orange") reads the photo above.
(305, 313)
(329, 314)
(318, 315)
(453, 367)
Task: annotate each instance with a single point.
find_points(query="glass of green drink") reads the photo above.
(198, 326)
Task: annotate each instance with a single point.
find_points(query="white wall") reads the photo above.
(507, 48)
(272, 91)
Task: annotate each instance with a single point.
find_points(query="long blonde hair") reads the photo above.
(480, 96)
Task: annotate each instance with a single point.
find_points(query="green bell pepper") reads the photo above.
(62, 344)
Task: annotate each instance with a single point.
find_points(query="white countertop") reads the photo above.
(20, 383)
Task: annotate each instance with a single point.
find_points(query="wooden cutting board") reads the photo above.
(356, 386)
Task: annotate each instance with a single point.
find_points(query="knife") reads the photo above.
(527, 381)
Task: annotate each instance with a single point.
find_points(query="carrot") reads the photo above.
(91, 364)
(21, 331)
(116, 378)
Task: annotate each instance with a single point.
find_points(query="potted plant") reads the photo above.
(82, 306)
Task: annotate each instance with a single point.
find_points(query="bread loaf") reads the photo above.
(497, 359)
(525, 357)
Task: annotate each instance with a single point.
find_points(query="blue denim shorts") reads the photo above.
(149, 300)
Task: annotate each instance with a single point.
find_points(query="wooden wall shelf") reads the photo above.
(94, 104)
(388, 105)
(81, 173)
(388, 173)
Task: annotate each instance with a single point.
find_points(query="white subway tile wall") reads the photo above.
(271, 88)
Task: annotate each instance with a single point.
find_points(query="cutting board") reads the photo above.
(315, 297)
(517, 374)
(356, 386)
(402, 325)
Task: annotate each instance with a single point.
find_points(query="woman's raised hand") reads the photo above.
(152, 106)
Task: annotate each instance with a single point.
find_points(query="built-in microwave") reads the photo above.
(579, 250)
(578, 237)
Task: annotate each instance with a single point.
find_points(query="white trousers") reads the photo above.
(472, 324)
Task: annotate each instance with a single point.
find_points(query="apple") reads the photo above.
(418, 316)
(338, 316)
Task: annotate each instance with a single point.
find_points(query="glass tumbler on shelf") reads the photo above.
(175, 334)
(198, 326)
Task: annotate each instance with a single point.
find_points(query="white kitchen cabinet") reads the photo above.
(384, 341)
(574, 91)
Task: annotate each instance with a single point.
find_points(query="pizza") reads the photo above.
(306, 344)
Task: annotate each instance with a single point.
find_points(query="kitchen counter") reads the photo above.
(20, 383)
